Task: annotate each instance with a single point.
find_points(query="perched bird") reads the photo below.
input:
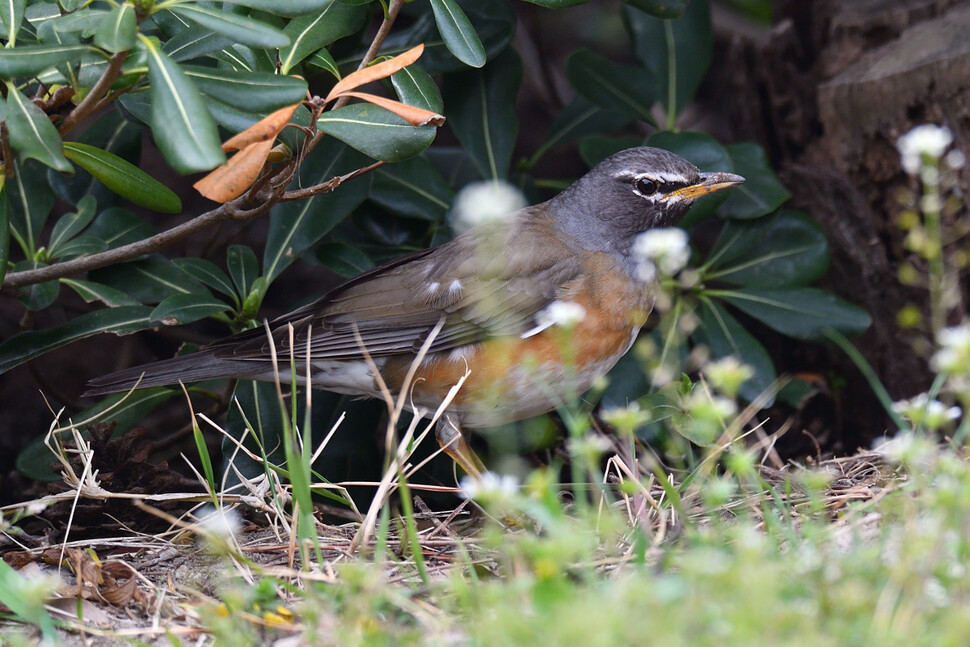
(484, 300)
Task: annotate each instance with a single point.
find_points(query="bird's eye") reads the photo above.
(645, 186)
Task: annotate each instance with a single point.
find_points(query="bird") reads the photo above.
(478, 307)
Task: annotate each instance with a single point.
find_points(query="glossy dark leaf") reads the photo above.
(415, 87)
(296, 226)
(117, 227)
(32, 135)
(4, 231)
(179, 309)
(39, 295)
(481, 112)
(802, 313)
(181, 125)
(287, 7)
(116, 31)
(27, 345)
(31, 201)
(557, 4)
(209, 274)
(785, 249)
(323, 60)
(725, 337)
(31, 60)
(318, 29)
(71, 224)
(12, 14)
(243, 267)
(91, 292)
(124, 178)
(193, 42)
(239, 29)
(257, 92)
(458, 33)
(346, 260)
(676, 52)
(761, 192)
(376, 132)
(151, 280)
(580, 118)
(83, 23)
(83, 245)
(412, 188)
(627, 89)
(596, 148)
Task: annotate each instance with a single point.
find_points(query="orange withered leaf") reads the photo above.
(375, 72)
(412, 114)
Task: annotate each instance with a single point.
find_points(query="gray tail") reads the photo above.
(189, 368)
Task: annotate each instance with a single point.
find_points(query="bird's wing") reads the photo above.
(478, 286)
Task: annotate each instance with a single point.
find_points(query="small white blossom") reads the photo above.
(955, 159)
(728, 374)
(561, 313)
(490, 487)
(485, 202)
(953, 355)
(224, 523)
(909, 449)
(921, 411)
(663, 251)
(928, 140)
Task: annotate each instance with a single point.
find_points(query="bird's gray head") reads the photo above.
(626, 194)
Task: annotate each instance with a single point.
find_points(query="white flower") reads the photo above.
(480, 203)
(921, 411)
(561, 313)
(224, 523)
(954, 353)
(663, 251)
(490, 487)
(928, 140)
(955, 159)
(728, 374)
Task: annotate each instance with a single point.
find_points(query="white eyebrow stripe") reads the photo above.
(657, 176)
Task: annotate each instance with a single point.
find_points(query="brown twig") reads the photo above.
(329, 185)
(98, 90)
(238, 209)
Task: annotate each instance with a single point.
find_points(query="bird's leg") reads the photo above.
(452, 441)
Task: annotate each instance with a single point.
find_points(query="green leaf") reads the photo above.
(151, 280)
(31, 60)
(412, 188)
(31, 201)
(415, 87)
(376, 132)
(660, 8)
(785, 249)
(725, 337)
(179, 309)
(83, 245)
(12, 13)
(116, 31)
(209, 274)
(259, 92)
(83, 23)
(707, 154)
(71, 224)
(309, 33)
(181, 126)
(26, 346)
(243, 268)
(193, 42)
(117, 227)
(124, 178)
(676, 52)
(761, 192)
(286, 7)
(297, 225)
(323, 60)
(39, 295)
(623, 88)
(458, 33)
(91, 291)
(4, 230)
(240, 29)
(597, 148)
(346, 260)
(578, 119)
(481, 112)
(32, 135)
(802, 313)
